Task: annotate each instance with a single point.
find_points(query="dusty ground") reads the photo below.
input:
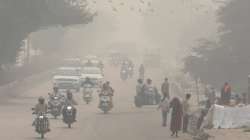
(229, 134)
(122, 123)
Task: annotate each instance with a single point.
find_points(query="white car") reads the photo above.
(95, 62)
(67, 78)
(72, 62)
(94, 74)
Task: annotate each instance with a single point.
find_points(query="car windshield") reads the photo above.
(68, 72)
(93, 61)
(91, 71)
(72, 63)
(66, 80)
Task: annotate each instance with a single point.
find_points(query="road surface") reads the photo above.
(124, 122)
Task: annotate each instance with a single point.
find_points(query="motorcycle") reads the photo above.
(87, 93)
(41, 124)
(150, 97)
(68, 115)
(124, 74)
(141, 75)
(55, 106)
(130, 71)
(105, 103)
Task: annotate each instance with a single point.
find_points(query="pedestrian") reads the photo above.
(176, 116)
(139, 87)
(186, 113)
(165, 88)
(141, 72)
(226, 94)
(164, 106)
(212, 96)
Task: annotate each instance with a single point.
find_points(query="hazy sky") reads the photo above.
(170, 24)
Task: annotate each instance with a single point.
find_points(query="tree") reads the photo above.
(230, 60)
(21, 17)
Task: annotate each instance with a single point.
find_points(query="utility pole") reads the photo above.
(28, 50)
(248, 93)
(197, 90)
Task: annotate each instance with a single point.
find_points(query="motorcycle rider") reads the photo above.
(110, 89)
(141, 71)
(107, 90)
(165, 88)
(70, 101)
(124, 65)
(88, 82)
(89, 63)
(55, 93)
(130, 67)
(139, 87)
(41, 108)
(148, 88)
(55, 89)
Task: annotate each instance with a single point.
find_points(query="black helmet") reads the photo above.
(149, 80)
(108, 83)
(41, 100)
(69, 94)
(140, 81)
(55, 88)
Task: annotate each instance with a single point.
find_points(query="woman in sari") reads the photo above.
(176, 116)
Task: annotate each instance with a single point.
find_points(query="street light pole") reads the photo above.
(248, 93)
(28, 47)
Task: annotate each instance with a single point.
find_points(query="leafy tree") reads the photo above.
(21, 17)
(229, 59)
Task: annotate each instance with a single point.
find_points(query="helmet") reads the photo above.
(166, 79)
(55, 88)
(69, 94)
(149, 80)
(140, 81)
(108, 83)
(87, 78)
(41, 100)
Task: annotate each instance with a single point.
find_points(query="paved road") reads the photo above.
(124, 122)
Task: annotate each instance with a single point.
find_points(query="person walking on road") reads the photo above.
(226, 94)
(141, 72)
(176, 116)
(165, 88)
(164, 106)
(186, 112)
(139, 87)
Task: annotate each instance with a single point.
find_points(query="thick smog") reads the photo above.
(124, 69)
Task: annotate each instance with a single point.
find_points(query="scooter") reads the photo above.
(105, 103)
(55, 106)
(87, 93)
(68, 115)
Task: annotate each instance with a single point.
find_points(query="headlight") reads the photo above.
(69, 107)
